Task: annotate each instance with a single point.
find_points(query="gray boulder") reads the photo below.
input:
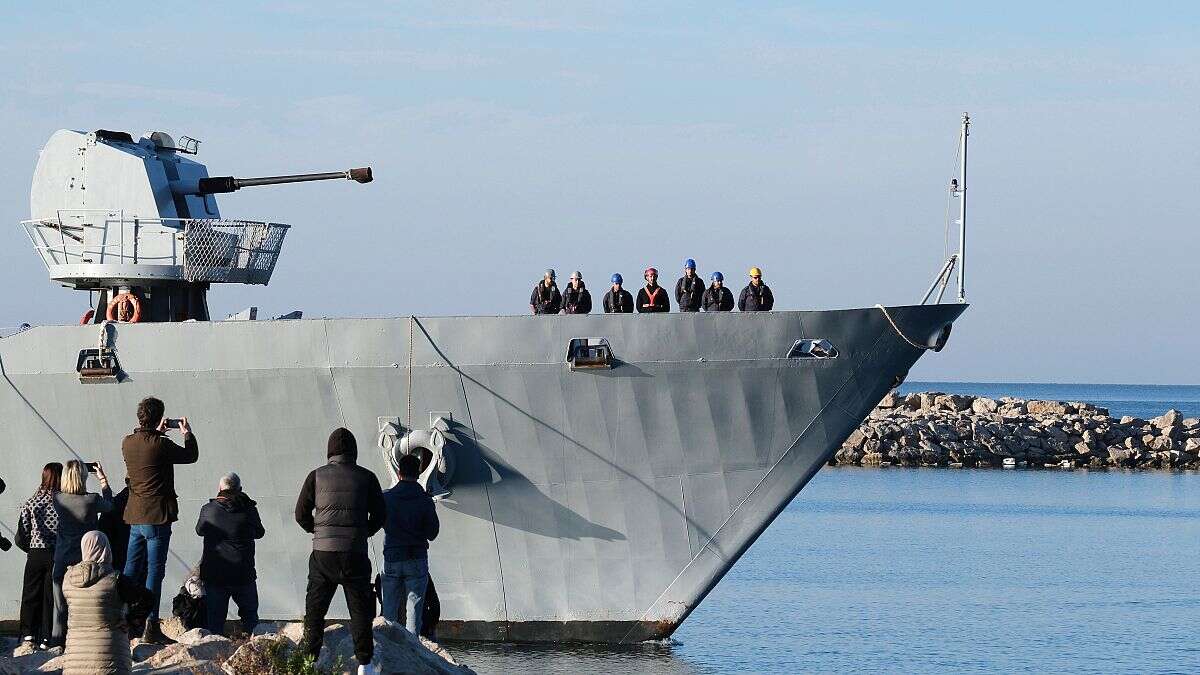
(984, 406)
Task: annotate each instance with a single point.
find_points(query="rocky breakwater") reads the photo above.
(936, 429)
(273, 649)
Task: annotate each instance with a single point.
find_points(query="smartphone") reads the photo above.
(172, 423)
(91, 466)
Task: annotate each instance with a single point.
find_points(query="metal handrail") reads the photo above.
(206, 249)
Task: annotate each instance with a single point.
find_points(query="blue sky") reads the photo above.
(812, 140)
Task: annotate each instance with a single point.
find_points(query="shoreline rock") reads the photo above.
(939, 429)
(198, 651)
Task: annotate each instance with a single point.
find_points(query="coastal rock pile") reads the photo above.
(198, 651)
(937, 429)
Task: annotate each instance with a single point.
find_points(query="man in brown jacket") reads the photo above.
(150, 459)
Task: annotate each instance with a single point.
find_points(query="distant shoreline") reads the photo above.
(926, 429)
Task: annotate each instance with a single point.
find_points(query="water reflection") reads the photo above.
(496, 657)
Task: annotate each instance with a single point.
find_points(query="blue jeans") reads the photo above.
(411, 576)
(216, 600)
(146, 560)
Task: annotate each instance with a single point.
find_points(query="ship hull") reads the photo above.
(598, 505)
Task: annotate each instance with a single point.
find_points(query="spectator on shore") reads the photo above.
(229, 525)
(78, 513)
(150, 459)
(342, 505)
(412, 522)
(37, 527)
(113, 525)
(105, 609)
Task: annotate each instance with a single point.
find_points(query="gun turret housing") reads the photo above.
(114, 214)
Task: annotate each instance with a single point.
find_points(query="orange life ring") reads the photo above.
(116, 308)
(87, 317)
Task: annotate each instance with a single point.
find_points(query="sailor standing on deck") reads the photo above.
(576, 299)
(689, 290)
(756, 296)
(618, 300)
(545, 298)
(718, 298)
(652, 297)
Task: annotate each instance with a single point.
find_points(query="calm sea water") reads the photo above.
(942, 570)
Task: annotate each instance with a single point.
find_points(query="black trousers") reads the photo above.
(352, 571)
(37, 595)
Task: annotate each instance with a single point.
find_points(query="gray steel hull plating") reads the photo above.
(592, 505)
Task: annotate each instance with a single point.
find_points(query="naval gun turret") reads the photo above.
(137, 221)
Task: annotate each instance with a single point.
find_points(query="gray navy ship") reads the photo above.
(596, 475)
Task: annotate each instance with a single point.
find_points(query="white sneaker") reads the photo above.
(368, 669)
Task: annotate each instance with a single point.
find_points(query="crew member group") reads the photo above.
(691, 295)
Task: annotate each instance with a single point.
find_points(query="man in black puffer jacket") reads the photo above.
(341, 504)
(230, 524)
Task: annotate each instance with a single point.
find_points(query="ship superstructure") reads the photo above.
(596, 475)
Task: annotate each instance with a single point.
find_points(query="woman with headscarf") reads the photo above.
(78, 513)
(105, 609)
(36, 528)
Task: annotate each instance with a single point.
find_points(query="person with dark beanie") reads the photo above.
(341, 505)
(412, 522)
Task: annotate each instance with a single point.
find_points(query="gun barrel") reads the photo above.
(220, 184)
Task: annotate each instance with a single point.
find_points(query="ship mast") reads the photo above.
(962, 210)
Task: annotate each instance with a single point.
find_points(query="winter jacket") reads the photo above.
(38, 521)
(150, 459)
(689, 293)
(659, 303)
(718, 299)
(341, 503)
(756, 298)
(77, 515)
(577, 300)
(621, 303)
(229, 524)
(545, 300)
(412, 522)
(97, 637)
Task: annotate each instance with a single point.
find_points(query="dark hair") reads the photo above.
(409, 466)
(150, 412)
(51, 475)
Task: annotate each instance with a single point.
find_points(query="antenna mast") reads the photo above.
(962, 210)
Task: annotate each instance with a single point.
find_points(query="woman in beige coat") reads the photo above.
(98, 624)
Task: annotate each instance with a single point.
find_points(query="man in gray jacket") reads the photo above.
(341, 504)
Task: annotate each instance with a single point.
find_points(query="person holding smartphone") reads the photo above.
(78, 513)
(150, 459)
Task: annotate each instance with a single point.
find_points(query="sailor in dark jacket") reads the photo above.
(689, 290)
(717, 298)
(576, 299)
(546, 298)
(756, 296)
(618, 300)
(341, 504)
(412, 522)
(652, 297)
(229, 525)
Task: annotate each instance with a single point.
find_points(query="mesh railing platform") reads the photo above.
(92, 248)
